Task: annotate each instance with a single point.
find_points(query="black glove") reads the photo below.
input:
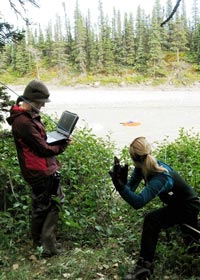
(119, 174)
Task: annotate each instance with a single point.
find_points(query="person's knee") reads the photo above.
(149, 218)
(151, 222)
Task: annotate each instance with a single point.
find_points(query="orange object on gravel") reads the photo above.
(130, 123)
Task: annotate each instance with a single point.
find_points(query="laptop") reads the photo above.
(64, 128)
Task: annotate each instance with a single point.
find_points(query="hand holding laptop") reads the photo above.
(63, 144)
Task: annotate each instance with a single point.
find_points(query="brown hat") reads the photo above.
(36, 91)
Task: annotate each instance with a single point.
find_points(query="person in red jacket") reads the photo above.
(38, 163)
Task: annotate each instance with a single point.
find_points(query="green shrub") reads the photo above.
(182, 155)
(86, 182)
(85, 179)
(93, 214)
(14, 194)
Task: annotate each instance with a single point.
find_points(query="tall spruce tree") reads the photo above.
(68, 39)
(119, 50)
(48, 49)
(59, 56)
(101, 30)
(91, 45)
(23, 63)
(108, 57)
(141, 41)
(195, 14)
(79, 48)
(179, 36)
(169, 26)
(129, 40)
(155, 59)
(194, 31)
(197, 53)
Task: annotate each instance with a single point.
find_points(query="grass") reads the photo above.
(107, 242)
(75, 262)
(108, 260)
(188, 74)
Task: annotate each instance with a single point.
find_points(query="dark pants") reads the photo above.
(44, 222)
(45, 211)
(164, 218)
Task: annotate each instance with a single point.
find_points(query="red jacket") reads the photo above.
(36, 157)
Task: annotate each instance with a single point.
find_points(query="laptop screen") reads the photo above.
(67, 122)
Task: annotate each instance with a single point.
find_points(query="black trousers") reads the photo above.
(164, 218)
(45, 209)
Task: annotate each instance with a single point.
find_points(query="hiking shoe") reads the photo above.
(37, 243)
(49, 254)
(142, 271)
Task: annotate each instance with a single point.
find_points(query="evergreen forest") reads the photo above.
(121, 45)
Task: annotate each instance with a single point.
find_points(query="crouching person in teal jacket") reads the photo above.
(181, 203)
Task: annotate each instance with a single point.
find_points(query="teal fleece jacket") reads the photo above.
(169, 186)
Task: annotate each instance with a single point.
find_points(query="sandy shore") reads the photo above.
(159, 112)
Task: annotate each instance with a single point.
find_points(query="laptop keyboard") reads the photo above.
(54, 136)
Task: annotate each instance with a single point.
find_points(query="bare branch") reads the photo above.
(172, 13)
(14, 4)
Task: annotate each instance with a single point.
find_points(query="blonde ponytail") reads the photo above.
(140, 152)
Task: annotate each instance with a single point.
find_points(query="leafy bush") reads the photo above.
(182, 155)
(92, 213)
(86, 182)
(5, 103)
(85, 179)
(14, 195)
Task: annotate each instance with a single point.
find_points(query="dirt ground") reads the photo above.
(126, 113)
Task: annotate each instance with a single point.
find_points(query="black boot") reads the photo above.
(36, 227)
(142, 271)
(38, 216)
(48, 234)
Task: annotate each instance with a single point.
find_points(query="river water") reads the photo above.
(154, 113)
